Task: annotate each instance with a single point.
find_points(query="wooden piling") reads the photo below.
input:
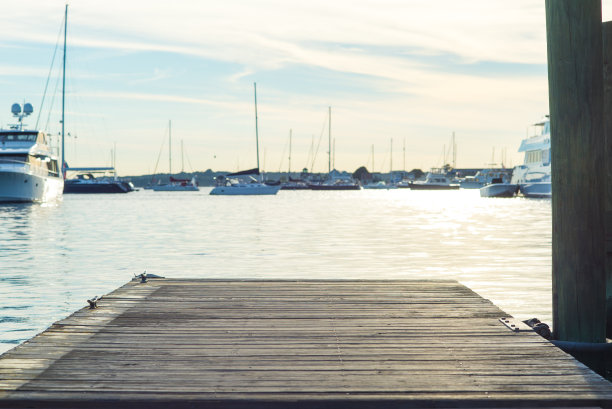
(607, 64)
(575, 77)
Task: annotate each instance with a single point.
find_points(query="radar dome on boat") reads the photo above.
(28, 108)
(16, 109)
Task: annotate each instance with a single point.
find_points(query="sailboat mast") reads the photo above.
(373, 158)
(64, 88)
(391, 159)
(170, 146)
(334, 160)
(404, 155)
(329, 149)
(256, 128)
(454, 152)
(289, 153)
(182, 158)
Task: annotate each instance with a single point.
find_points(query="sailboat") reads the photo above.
(244, 182)
(335, 180)
(293, 184)
(175, 185)
(83, 179)
(381, 184)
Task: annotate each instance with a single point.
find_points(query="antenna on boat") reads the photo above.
(64, 89)
(256, 128)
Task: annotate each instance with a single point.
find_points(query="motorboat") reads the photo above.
(178, 185)
(86, 182)
(533, 176)
(295, 184)
(336, 185)
(485, 177)
(436, 179)
(380, 185)
(243, 183)
(499, 188)
(29, 171)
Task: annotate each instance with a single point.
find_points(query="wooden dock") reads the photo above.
(279, 344)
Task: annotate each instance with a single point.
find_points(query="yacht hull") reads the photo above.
(499, 190)
(537, 190)
(334, 187)
(431, 186)
(97, 187)
(175, 188)
(27, 187)
(246, 190)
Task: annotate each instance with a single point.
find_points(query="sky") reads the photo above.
(400, 77)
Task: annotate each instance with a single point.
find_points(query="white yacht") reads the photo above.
(533, 176)
(437, 179)
(29, 171)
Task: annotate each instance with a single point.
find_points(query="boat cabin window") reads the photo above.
(533, 157)
(13, 158)
(18, 137)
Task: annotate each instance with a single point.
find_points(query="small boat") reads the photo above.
(29, 171)
(498, 188)
(175, 185)
(295, 184)
(533, 176)
(86, 182)
(336, 185)
(484, 177)
(178, 185)
(335, 180)
(379, 185)
(243, 182)
(435, 180)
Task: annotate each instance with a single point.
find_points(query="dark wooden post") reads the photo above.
(575, 79)
(607, 61)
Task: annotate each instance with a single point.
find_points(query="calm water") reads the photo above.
(54, 257)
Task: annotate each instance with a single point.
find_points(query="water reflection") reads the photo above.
(52, 258)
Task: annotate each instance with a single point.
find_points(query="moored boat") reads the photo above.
(486, 176)
(86, 182)
(243, 183)
(435, 180)
(178, 185)
(499, 189)
(533, 176)
(29, 171)
(380, 185)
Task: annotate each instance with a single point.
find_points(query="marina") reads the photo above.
(273, 343)
(344, 290)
